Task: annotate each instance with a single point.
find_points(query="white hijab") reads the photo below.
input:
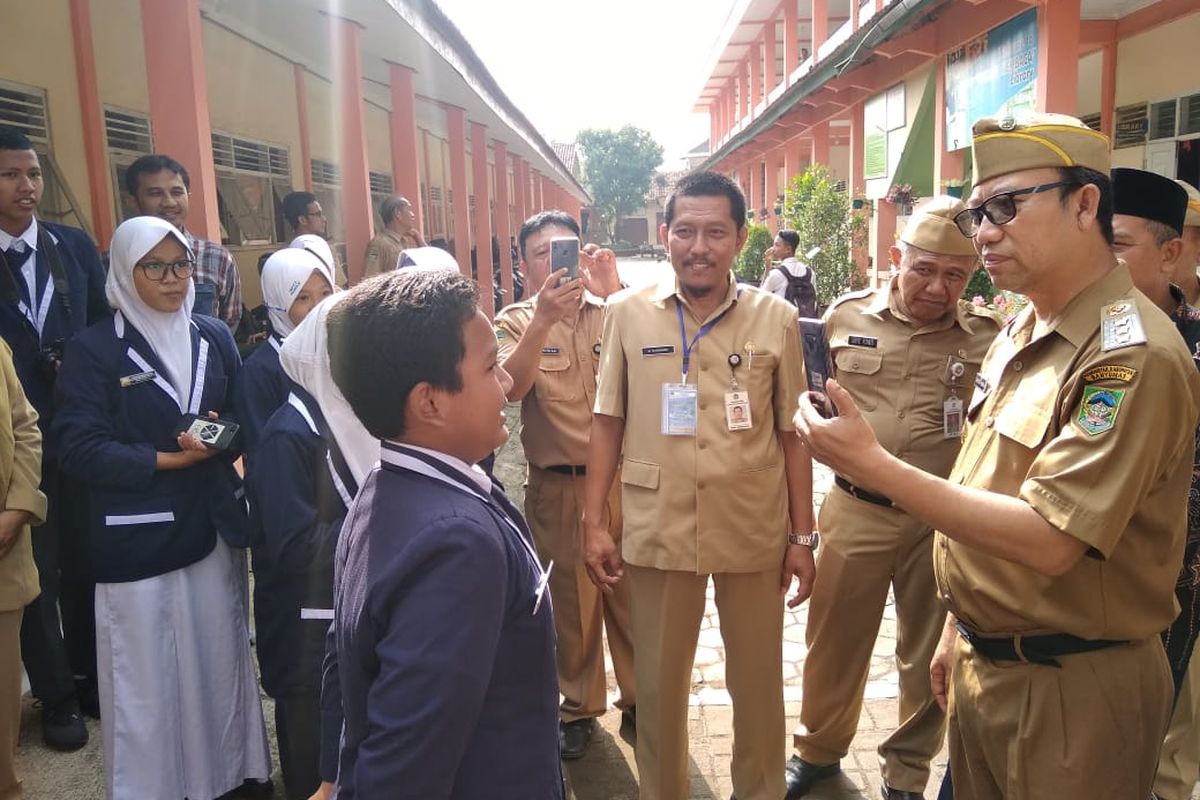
(283, 276)
(169, 334)
(321, 249)
(305, 359)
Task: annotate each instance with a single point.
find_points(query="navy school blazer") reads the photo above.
(263, 388)
(116, 410)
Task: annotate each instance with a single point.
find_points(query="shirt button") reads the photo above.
(854, 364)
(703, 446)
(1017, 366)
(907, 376)
(990, 421)
(900, 414)
(700, 484)
(962, 353)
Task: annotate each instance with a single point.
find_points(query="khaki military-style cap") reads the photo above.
(931, 228)
(1000, 145)
(1192, 219)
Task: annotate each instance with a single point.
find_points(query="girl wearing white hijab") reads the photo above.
(319, 248)
(180, 710)
(293, 281)
(312, 455)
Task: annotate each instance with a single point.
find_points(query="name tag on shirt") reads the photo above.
(659, 350)
(138, 377)
(863, 341)
(550, 351)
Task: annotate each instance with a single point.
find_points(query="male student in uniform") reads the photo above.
(702, 493)
(1060, 530)
(550, 346)
(304, 214)
(443, 635)
(51, 288)
(908, 353)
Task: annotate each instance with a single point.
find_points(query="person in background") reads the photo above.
(299, 486)
(157, 185)
(1188, 260)
(21, 504)
(180, 709)
(443, 630)
(399, 232)
(788, 277)
(303, 213)
(51, 288)
(294, 281)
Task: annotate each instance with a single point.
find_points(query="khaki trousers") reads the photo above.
(864, 549)
(10, 701)
(582, 614)
(1179, 761)
(668, 607)
(1091, 729)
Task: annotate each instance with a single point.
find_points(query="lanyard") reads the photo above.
(36, 318)
(700, 334)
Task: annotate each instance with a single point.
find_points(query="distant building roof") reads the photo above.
(662, 183)
(568, 154)
(700, 149)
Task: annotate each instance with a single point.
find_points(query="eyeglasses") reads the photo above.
(157, 270)
(999, 208)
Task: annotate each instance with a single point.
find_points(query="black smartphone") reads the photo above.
(215, 434)
(564, 252)
(818, 366)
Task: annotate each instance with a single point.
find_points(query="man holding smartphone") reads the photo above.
(908, 353)
(550, 346)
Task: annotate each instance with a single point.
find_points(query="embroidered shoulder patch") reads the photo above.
(501, 334)
(1099, 408)
(1109, 372)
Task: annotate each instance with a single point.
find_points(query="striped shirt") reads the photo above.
(215, 265)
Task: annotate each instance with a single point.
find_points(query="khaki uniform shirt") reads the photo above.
(383, 253)
(716, 501)
(20, 476)
(901, 375)
(556, 413)
(1117, 481)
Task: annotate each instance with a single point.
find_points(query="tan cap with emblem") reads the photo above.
(1192, 219)
(1000, 145)
(932, 228)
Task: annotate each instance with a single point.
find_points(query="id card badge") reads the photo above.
(680, 402)
(737, 411)
(952, 418)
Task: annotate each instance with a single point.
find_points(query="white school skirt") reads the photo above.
(180, 709)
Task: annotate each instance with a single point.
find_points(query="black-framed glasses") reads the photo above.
(999, 208)
(157, 270)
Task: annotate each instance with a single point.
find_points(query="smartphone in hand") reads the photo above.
(818, 367)
(564, 253)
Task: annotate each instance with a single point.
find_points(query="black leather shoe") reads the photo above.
(899, 794)
(89, 697)
(574, 737)
(62, 725)
(802, 775)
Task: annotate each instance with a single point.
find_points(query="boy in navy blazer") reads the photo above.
(443, 640)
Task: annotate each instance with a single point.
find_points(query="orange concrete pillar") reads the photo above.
(885, 237)
(1108, 88)
(878, 6)
(791, 161)
(742, 91)
(178, 89)
(854, 15)
(456, 124)
(820, 144)
(302, 125)
(856, 185)
(769, 83)
(755, 63)
(539, 189)
(93, 125)
(820, 26)
(520, 191)
(503, 218)
(946, 165)
(357, 216)
(791, 40)
(549, 198)
(483, 219)
(403, 129)
(772, 189)
(1058, 56)
(753, 190)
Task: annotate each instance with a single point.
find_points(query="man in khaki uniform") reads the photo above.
(1061, 527)
(550, 346)
(698, 381)
(908, 354)
(21, 503)
(400, 231)
(1188, 261)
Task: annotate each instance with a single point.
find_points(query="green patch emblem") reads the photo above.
(1098, 410)
(501, 334)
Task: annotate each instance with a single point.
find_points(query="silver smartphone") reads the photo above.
(818, 367)
(564, 253)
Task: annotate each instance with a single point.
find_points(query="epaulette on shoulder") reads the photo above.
(983, 311)
(857, 294)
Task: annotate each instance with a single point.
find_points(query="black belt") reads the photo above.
(567, 469)
(862, 494)
(1040, 649)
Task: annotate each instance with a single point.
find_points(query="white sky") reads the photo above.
(574, 64)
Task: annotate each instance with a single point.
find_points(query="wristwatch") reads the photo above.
(807, 539)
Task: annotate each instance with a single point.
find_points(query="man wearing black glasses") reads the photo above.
(1061, 527)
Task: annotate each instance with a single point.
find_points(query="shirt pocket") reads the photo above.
(858, 371)
(1026, 423)
(556, 381)
(643, 474)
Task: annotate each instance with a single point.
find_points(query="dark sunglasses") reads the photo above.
(999, 208)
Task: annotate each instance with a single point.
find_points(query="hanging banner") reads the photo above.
(992, 75)
(875, 137)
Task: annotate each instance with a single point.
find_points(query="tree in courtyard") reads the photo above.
(816, 209)
(618, 167)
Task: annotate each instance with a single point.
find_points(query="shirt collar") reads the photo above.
(668, 287)
(885, 300)
(29, 237)
(472, 474)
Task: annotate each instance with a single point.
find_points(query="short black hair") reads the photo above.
(13, 139)
(708, 184)
(1078, 177)
(390, 207)
(295, 205)
(394, 331)
(544, 219)
(151, 164)
(791, 237)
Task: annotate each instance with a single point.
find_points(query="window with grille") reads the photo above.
(382, 183)
(1092, 121)
(25, 110)
(1189, 115)
(325, 173)
(1162, 119)
(252, 179)
(128, 132)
